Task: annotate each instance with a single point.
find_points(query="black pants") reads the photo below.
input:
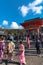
(38, 50)
(42, 44)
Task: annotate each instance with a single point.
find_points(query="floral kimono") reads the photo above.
(11, 47)
(2, 48)
(22, 54)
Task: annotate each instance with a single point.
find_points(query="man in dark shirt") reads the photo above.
(38, 46)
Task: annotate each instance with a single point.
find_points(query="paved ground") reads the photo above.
(30, 60)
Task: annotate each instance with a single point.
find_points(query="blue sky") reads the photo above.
(14, 12)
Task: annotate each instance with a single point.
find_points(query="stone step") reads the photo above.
(31, 51)
(40, 55)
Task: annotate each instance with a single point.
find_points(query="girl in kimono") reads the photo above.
(22, 54)
(11, 47)
(2, 48)
(28, 41)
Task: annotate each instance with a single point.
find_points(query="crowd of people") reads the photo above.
(8, 49)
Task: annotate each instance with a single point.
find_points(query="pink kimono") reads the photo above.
(2, 48)
(22, 55)
(28, 42)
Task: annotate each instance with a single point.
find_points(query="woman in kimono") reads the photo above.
(22, 54)
(28, 41)
(11, 47)
(2, 48)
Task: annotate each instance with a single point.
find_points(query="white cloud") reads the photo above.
(35, 7)
(37, 10)
(5, 22)
(14, 25)
(21, 27)
(36, 2)
(24, 10)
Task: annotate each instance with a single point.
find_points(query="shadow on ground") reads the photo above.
(10, 62)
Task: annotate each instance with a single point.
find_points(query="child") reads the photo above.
(22, 54)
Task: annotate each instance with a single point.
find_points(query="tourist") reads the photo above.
(11, 47)
(2, 48)
(22, 53)
(28, 41)
(38, 46)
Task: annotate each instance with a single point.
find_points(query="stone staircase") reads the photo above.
(29, 52)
